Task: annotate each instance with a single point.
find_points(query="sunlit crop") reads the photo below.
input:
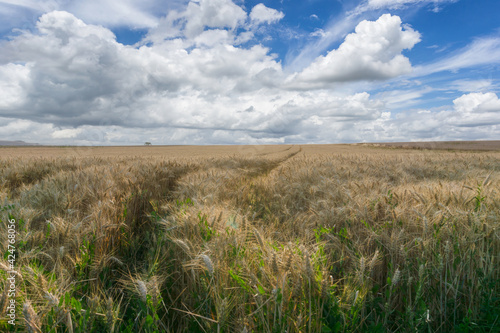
(271, 239)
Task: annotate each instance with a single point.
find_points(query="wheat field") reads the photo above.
(320, 238)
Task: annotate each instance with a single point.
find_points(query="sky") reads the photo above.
(123, 72)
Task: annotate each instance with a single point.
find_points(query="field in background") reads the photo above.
(447, 145)
(312, 238)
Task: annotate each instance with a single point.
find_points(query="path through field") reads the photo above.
(296, 238)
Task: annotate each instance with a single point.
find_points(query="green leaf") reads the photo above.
(240, 281)
(75, 304)
(149, 321)
(326, 329)
(261, 290)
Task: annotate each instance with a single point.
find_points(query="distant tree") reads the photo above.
(147, 143)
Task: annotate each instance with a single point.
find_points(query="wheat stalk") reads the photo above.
(31, 319)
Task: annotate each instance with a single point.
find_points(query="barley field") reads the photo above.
(320, 238)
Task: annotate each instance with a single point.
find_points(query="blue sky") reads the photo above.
(124, 72)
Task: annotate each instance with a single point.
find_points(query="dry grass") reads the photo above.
(254, 239)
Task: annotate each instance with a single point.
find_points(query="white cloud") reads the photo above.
(69, 81)
(372, 52)
(336, 30)
(474, 116)
(213, 37)
(40, 5)
(79, 74)
(109, 13)
(199, 15)
(482, 51)
(318, 33)
(395, 4)
(339, 26)
(113, 13)
(403, 98)
(478, 103)
(262, 14)
(76, 75)
(472, 85)
(473, 112)
(12, 85)
(66, 133)
(211, 14)
(77, 83)
(26, 130)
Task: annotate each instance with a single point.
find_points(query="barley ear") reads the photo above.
(208, 263)
(288, 265)
(274, 265)
(143, 290)
(259, 238)
(32, 320)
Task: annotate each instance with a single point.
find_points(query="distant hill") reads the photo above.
(17, 143)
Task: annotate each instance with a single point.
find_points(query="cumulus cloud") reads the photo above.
(211, 14)
(372, 52)
(194, 80)
(339, 26)
(472, 116)
(262, 14)
(478, 103)
(73, 71)
(78, 78)
(12, 85)
(473, 111)
(196, 17)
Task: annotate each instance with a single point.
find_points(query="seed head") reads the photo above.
(288, 262)
(395, 278)
(208, 263)
(143, 290)
(155, 290)
(31, 318)
(53, 299)
(259, 238)
(42, 282)
(183, 245)
(372, 263)
(275, 267)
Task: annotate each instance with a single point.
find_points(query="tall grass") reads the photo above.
(296, 241)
